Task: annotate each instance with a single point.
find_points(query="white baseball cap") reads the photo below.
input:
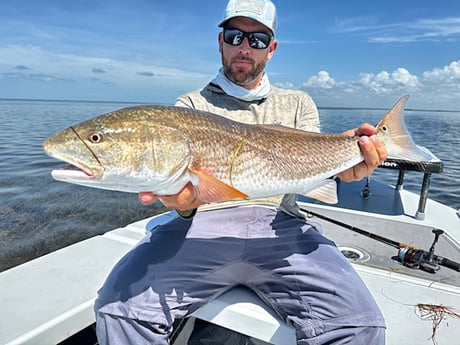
(263, 11)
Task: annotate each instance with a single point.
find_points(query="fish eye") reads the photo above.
(384, 128)
(96, 138)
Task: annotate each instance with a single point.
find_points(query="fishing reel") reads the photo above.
(421, 259)
(417, 258)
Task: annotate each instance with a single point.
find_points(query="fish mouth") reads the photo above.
(72, 172)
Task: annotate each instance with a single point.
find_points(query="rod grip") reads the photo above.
(449, 263)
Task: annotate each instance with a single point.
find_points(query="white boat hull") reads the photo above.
(48, 299)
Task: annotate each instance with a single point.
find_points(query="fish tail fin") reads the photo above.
(392, 131)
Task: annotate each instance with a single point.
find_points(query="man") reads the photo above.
(273, 251)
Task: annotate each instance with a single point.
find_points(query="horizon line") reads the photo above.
(145, 103)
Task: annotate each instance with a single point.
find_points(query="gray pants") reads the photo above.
(184, 263)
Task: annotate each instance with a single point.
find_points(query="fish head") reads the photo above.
(68, 145)
(117, 152)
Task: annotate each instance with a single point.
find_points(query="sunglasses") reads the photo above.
(257, 40)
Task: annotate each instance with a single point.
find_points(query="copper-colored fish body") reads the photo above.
(162, 148)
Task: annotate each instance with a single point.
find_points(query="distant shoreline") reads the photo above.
(133, 102)
(69, 100)
(405, 109)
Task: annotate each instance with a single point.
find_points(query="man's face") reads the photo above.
(242, 64)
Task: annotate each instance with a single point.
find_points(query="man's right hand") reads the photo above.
(184, 200)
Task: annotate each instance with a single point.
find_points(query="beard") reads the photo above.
(242, 76)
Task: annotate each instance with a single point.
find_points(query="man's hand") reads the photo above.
(184, 200)
(373, 150)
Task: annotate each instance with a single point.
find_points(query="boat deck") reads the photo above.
(50, 298)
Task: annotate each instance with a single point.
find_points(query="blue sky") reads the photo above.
(343, 53)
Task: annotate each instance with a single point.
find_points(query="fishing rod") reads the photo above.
(409, 256)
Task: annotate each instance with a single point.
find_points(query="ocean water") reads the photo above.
(39, 215)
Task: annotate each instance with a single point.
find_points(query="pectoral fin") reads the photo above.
(210, 189)
(325, 192)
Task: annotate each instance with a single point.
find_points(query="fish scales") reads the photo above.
(255, 151)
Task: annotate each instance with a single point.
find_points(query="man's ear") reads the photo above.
(220, 38)
(272, 48)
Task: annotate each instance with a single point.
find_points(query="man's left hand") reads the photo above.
(373, 150)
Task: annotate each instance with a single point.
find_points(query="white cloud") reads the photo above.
(73, 77)
(435, 89)
(97, 70)
(117, 79)
(437, 29)
(84, 66)
(400, 80)
(447, 74)
(322, 80)
(442, 85)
